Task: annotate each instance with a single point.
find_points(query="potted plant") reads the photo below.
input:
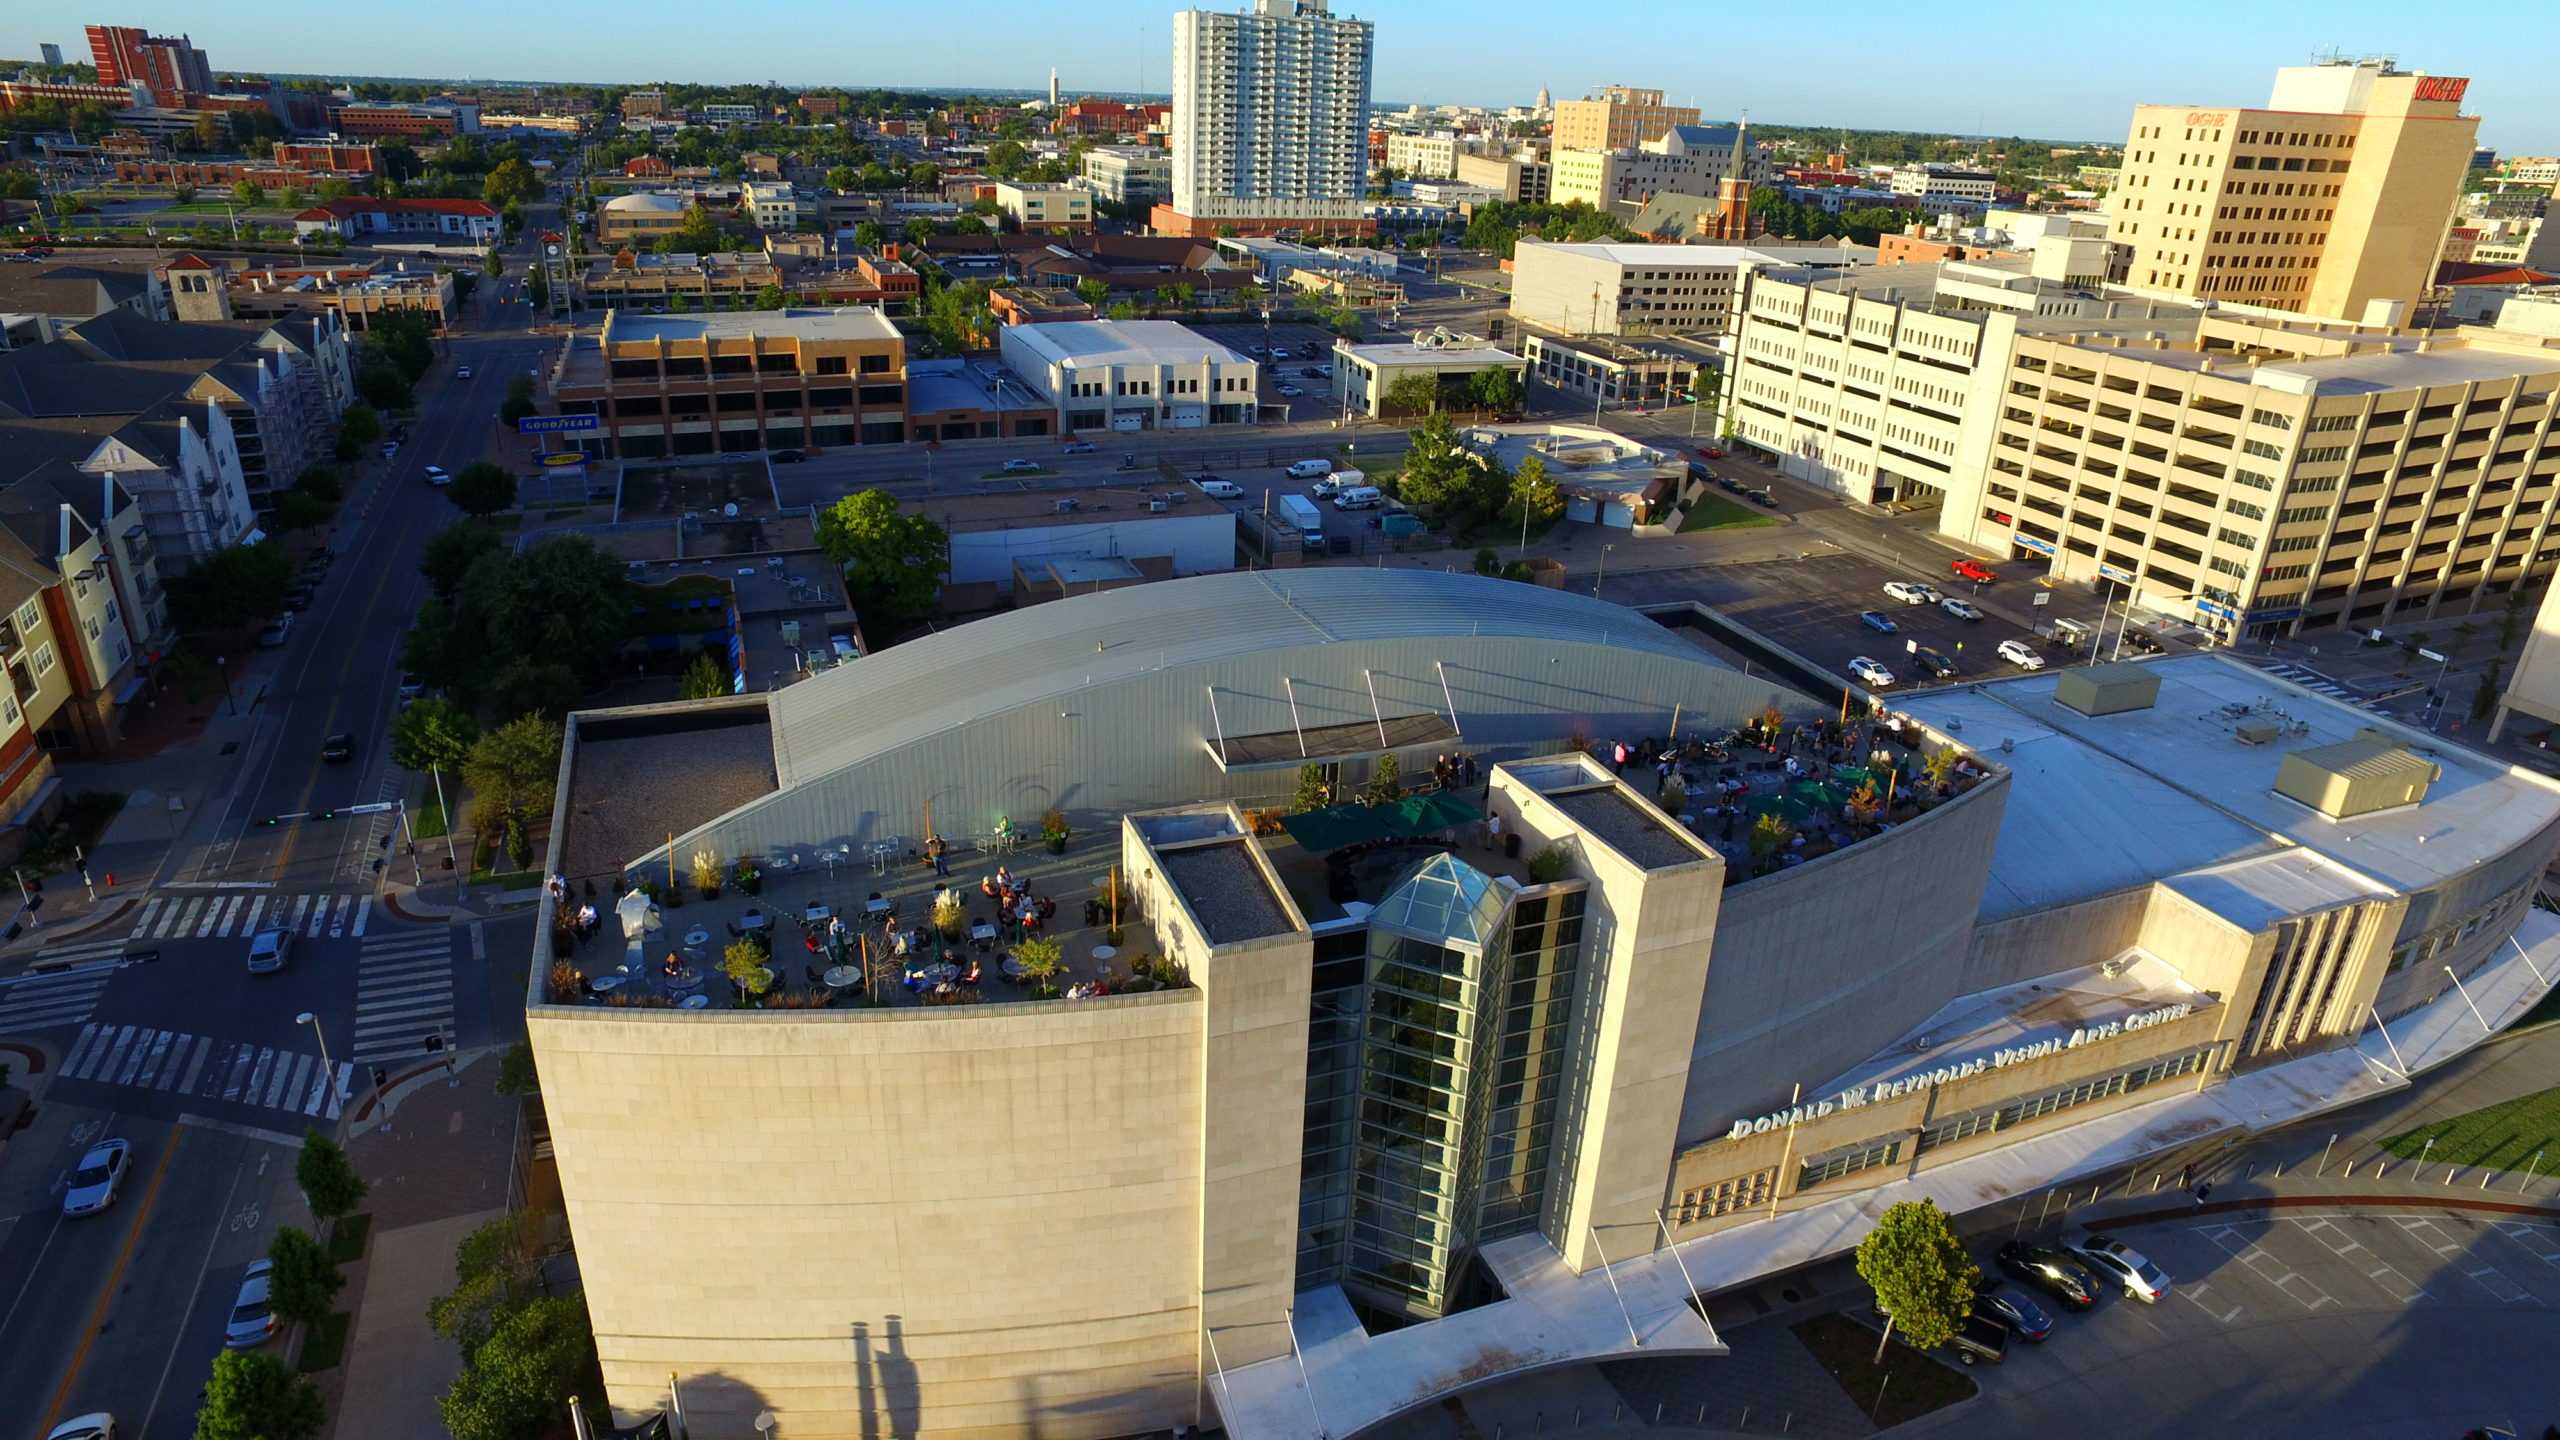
(561, 985)
(750, 879)
(706, 874)
(1040, 958)
(743, 962)
(1053, 832)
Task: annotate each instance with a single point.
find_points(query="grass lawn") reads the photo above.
(325, 1344)
(1712, 511)
(1910, 1383)
(2501, 1136)
(347, 1237)
(427, 821)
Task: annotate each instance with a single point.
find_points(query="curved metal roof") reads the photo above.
(879, 702)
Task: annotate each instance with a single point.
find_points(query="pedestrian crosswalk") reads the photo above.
(200, 1067)
(204, 917)
(2309, 679)
(404, 992)
(41, 1000)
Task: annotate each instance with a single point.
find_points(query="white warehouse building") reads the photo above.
(1132, 374)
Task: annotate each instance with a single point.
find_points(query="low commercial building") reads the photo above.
(662, 385)
(1363, 374)
(1129, 174)
(972, 400)
(1423, 157)
(385, 120)
(1609, 289)
(640, 217)
(2106, 914)
(723, 280)
(1132, 375)
(1522, 178)
(1045, 209)
(773, 206)
(1604, 477)
(1042, 546)
(725, 116)
(1611, 371)
(356, 294)
(462, 222)
(1684, 160)
(1938, 187)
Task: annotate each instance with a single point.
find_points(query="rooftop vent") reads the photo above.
(2108, 689)
(2356, 777)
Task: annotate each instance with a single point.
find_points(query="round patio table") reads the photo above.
(697, 937)
(842, 977)
(694, 1002)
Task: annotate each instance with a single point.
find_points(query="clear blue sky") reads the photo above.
(2005, 67)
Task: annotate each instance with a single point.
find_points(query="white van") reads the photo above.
(1356, 497)
(1222, 489)
(1310, 469)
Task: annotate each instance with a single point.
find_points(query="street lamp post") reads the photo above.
(1602, 573)
(223, 664)
(307, 1018)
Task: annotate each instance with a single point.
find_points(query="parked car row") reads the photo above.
(2074, 1275)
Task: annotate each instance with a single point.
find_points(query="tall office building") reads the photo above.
(1053, 89)
(2332, 200)
(52, 53)
(172, 67)
(1618, 118)
(1270, 120)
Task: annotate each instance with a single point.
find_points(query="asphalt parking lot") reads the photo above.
(1811, 606)
(1310, 348)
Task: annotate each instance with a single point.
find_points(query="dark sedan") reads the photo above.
(2024, 1317)
(338, 749)
(2052, 1271)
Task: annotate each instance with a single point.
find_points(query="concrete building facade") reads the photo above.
(1045, 209)
(1129, 174)
(2331, 200)
(1521, 178)
(1617, 117)
(1132, 374)
(1614, 289)
(671, 385)
(1684, 160)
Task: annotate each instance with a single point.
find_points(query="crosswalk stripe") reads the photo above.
(346, 1071)
(258, 1075)
(288, 1068)
(80, 1049)
(439, 948)
(364, 912)
(195, 1064)
(141, 1049)
(110, 1045)
(301, 906)
(407, 1032)
(142, 920)
(230, 913)
(242, 1064)
(72, 954)
(320, 1088)
(257, 907)
(180, 916)
(409, 971)
(159, 1052)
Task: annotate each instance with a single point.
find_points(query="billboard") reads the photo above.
(556, 424)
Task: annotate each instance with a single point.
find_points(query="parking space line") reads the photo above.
(2194, 1292)
(2488, 1277)
(2267, 1266)
(2382, 1273)
(2538, 1239)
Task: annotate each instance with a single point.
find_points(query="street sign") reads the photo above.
(2042, 597)
(555, 424)
(2425, 654)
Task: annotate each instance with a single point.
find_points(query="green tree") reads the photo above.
(512, 1385)
(769, 298)
(511, 769)
(304, 1283)
(482, 488)
(495, 262)
(249, 192)
(381, 385)
(1416, 392)
(1922, 1277)
(252, 1396)
(328, 1179)
(525, 632)
(1533, 496)
(894, 561)
(1497, 388)
(511, 182)
(519, 402)
(494, 1271)
(842, 179)
(1439, 472)
(704, 679)
(918, 232)
(867, 235)
(924, 178)
(450, 553)
(238, 586)
(2485, 698)
(1093, 290)
(517, 1074)
(1385, 785)
(402, 338)
(335, 189)
(1123, 311)
(1314, 791)
(1005, 159)
(361, 424)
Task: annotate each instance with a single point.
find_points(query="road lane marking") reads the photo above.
(212, 1243)
(195, 1066)
(364, 912)
(114, 1285)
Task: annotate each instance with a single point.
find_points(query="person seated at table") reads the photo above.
(1004, 877)
(1048, 908)
(915, 977)
(673, 967)
(898, 942)
(987, 886)
(970, 975)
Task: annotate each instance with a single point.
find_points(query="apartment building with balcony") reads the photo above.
(2268, 477)
(1270, 120)
(2332, 200)
(673, 385)
(85, 610)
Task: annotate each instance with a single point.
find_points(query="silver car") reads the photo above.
(100, 1175)
(253, 1320)
(268, 950)
(2115, 1260)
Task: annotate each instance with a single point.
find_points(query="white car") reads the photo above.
(462, 372)
(1020, 467)
(2021, 654)
(2115, 1260)
(100, 1175)
(1289, 392)
(1870, 672)
(1961, 609)
(96, 1425)
(253, 1320)
(1309, 469)
(436, 476)
(1907, 592)
(268, 951)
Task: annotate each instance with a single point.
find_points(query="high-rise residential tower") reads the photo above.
(2332, 200)
(172, 67)
(1270, 120)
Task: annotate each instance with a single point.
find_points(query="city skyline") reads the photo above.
(2051, 84)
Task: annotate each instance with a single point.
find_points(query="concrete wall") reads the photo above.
(1141, 742)
(1553, 287)
(1647, 936)
(1199, 542)
(1816, 968)
(800, 1212)
(2041, 942)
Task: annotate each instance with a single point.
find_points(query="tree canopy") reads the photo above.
(522, 632)
(252, 1396)
(328, 1179)
(431, 735)
(305, 1283)
(512, 769)
(1919, 1271)
(482, 488)
(512, 1385)
(237, 586)
(893, 561)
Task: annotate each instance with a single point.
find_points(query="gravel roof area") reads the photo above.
(1624, 828)
(636, 780)
(1225, 889)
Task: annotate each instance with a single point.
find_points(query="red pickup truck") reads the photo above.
(1974, 570)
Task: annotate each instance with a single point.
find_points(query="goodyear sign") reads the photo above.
(555, 424)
